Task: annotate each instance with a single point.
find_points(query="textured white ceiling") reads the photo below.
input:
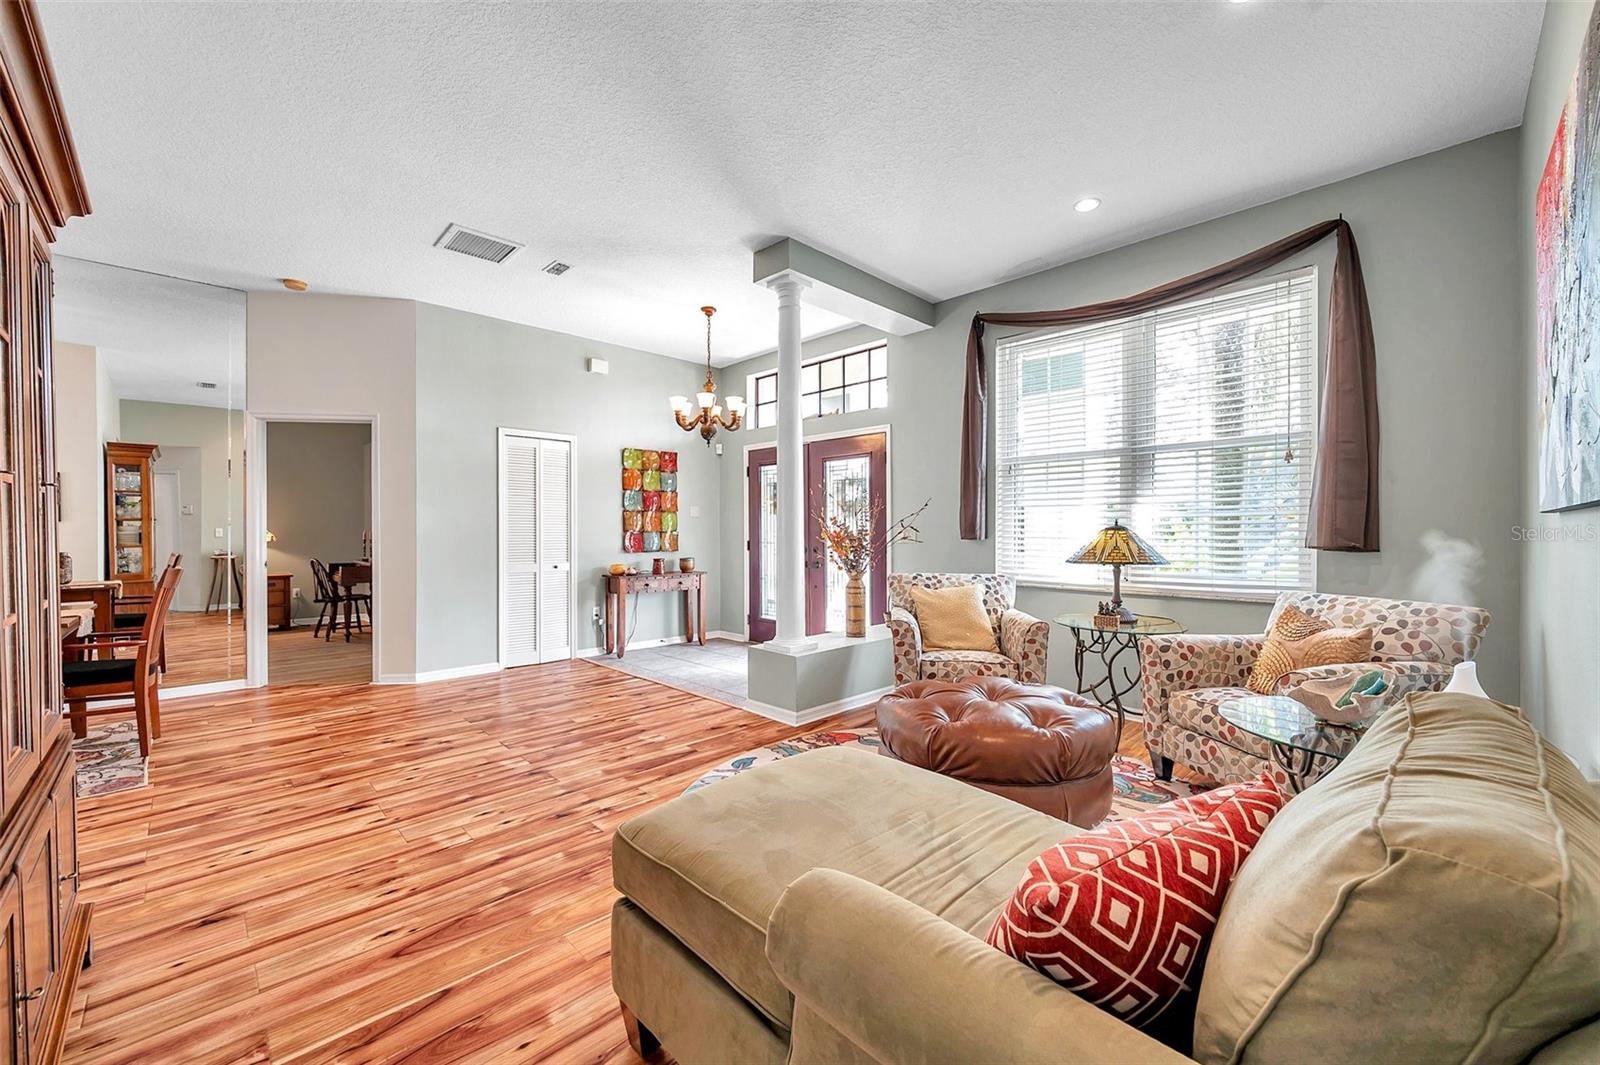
(654, 146)
(158, 336)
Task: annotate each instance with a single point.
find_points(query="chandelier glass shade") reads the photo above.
(709, 416)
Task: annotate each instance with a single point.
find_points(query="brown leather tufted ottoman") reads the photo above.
(1042, 746)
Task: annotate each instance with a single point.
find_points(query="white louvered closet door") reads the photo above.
(519, 550)
(555, 550)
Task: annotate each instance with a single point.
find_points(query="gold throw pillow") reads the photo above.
(953, 619)
(1298, 640)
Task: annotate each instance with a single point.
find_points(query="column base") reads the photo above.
(834, 673)
(793, 646)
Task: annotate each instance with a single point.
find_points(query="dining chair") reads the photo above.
(136, 620)
(359, 601)
(328, 599)
(86, 677)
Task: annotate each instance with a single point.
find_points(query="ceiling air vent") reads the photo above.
(478, 245)
(556, 267)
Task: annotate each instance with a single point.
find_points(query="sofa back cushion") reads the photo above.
(1431, 899)
(1403, 630)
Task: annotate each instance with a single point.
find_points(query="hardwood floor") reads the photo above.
(298, 656)
(362, 874)
(204, 648)
(359, 873)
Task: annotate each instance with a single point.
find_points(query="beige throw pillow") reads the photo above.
(1298, 640)
(953, 619)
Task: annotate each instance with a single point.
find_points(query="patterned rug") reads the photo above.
(1134, 787)
(108, 760)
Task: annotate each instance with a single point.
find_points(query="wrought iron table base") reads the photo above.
(1303, 767)
(1112, 647)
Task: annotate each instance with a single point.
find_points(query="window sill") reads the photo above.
(1211, 594)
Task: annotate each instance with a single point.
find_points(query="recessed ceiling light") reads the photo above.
(294, 284)
(1087, 204)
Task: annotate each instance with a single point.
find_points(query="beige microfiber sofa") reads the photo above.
(1436, 898)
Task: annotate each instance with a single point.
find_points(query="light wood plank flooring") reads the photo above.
(204, 648)
(298, 656)
(355, 873)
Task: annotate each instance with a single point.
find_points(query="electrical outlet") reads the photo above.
(219, 532)
(597, 613)
(297, 595)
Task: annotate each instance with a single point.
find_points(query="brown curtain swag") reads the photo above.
(1344, 489)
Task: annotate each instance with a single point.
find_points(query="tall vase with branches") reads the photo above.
(847, 534)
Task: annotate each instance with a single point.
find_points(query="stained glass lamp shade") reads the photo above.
(1117, 546)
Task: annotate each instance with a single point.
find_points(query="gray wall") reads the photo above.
(317, 502)
(1438, 238)
(477, 374)
(309, 355)
(1561, 568)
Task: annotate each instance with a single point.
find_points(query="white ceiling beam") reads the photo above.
(843, 289)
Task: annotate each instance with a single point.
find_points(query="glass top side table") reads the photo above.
(1303, 745)
(1117, 648)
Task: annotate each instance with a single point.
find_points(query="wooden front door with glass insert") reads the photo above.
(841, 473)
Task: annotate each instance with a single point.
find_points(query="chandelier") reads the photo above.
(709, 417)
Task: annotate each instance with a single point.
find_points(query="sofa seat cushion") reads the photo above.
(953, 665)
(709, 866)
(1439, 885)
(1200, 710)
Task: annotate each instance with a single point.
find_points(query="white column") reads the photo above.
(791, 576)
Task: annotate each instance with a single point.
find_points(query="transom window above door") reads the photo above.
(834, 384)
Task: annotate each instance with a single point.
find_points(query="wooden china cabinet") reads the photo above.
(44, 929)
(130, 522)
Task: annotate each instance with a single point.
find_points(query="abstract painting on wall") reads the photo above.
(649, 500)
(1567, 254)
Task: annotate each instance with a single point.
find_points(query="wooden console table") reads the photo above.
(620, 586)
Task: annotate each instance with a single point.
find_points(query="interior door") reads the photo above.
(519, 550)
(535, 549)
(166, 506)
(555, 550)
(840, 472)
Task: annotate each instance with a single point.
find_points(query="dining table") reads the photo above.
(77, 619)
(349, 576)
(103, 595)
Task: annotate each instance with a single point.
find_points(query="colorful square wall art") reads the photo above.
(649, 500)
(1567, 260)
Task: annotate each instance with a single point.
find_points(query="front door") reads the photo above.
(844, 472)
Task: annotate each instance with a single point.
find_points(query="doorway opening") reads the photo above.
(842, 472)
(319, 596)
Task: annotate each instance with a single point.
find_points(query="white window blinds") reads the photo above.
(1194, 425)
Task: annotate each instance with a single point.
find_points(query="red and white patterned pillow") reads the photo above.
(1122, 914)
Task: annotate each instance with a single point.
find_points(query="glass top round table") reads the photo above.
(1145, 626)
(1303, 745)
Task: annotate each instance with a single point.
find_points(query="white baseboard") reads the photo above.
(814, 713)
(634, 645)
(432, 675)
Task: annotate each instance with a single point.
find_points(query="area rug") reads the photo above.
(1134, 787)
(109, 761)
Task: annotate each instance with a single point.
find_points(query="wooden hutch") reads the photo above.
(44, 929)
(130, 522)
